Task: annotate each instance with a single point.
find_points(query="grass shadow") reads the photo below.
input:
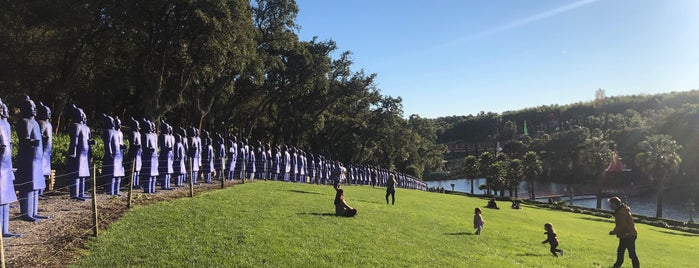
(318, 214)
(597, 219)
(460, 233)
(680, 234)
(304, 192)
(365, 201)
(530, 255)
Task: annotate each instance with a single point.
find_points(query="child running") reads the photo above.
(551, 239)
(478, 221)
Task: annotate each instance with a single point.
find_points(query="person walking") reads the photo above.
(625, 230)
(478, 221)
(391, 189)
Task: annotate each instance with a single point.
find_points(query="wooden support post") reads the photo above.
(130, 194)
(95, 227)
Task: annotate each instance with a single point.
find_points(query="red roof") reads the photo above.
(616, 165)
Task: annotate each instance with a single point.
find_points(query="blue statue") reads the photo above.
(250, 156)
(261, 163)
(276, 158)
(135, 152)
(30, 176)
(180, 157)
(7, 188)
(232, 157)
(78, 162)
(195, 154)
(207, 156)
(43, 117)
(149, 157)
(166, 157)
(112, 162)
(240, 162)
(286, 164)
(119, 171)
(220, 153)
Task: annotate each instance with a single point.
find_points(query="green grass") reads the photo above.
(279, 224)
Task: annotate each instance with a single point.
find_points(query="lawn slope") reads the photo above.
(280, 224)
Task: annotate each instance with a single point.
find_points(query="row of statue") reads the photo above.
(167, 158)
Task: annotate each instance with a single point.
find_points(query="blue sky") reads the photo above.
(451, 57)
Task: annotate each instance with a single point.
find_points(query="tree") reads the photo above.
(659, 158)
(531, 169)
(486, 163)
(470, 169)
(514, 176)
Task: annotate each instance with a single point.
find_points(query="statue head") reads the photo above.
(135, 126)
(178, 137)
(28, 108)
(147, 127)
(165, 127)
(117, 123)
(234, 139)
(78, 115)
(4, 113)
(182, 132)
(43, 112)
(108, 121)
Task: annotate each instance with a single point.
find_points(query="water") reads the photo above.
(644, 204)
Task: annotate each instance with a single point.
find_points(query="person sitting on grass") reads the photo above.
(492, 204)
(341, 207)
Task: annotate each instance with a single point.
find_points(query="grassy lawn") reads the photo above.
(279, 224)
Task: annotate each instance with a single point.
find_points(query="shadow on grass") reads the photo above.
(460, 233)
(597, 219)
(303, 192)
(365, 201)
(531, 255)
(680, 234)
(318, 214)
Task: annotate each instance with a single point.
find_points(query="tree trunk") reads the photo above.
(532, 195)
(659, 208)
(472, 186)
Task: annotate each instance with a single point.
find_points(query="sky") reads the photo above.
(461, 57)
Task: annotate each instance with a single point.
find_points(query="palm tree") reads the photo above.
(531, 169)
(471, 169)
(659, 158)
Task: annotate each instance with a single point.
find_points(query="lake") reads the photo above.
(674, 200)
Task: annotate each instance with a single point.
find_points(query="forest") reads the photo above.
(235, 67)
(656, 137)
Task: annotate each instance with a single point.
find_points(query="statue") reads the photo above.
(261, 163)
(43, 117)
(232, 158)
(250, 155)
(286, 164)
(78, 162)
(166, 157)
(112, 162)
(119, 171)
(195, 154)
(220, 156)
(149, 156)
(180, 157)
(7, 188)
(135, 152)
(240, 162)
(207, 156)
(30, 176)
(276, 157)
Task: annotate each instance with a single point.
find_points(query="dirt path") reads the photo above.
(57, 242)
